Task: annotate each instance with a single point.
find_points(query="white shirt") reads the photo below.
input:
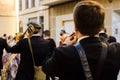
(36, 35)
(85, 37)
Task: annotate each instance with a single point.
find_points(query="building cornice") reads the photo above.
(53, 2)
(7, 16)
(33, 10)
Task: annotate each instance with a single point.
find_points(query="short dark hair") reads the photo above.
(47, 32)
(4, 35)
(89, 17)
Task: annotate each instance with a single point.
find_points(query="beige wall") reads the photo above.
(8, 25)
(7, 17)
(58, 15)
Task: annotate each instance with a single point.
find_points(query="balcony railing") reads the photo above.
(52, 2)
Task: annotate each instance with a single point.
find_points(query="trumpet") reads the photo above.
(73, 37)
(30, 30)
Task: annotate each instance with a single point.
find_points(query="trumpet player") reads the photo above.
(90, 58)
(40, 49)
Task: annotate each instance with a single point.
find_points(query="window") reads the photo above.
(116, 31)
(26, 4)
(42, 23)
(20, 4)
(32, 3)
(34, 19)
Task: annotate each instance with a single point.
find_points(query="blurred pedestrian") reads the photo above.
(3, 44)
(52, 47)
(5, 36)
(12, 67)
(105, 37)
(52, 42)
(63, 36)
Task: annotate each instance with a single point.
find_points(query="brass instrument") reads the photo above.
(30, 31)
(73, 38)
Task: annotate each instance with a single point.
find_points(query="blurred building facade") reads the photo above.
(58, 14)
(8, 22)
(31, 10)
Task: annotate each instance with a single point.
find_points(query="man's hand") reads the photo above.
(70, 40)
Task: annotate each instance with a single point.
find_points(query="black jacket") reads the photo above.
(40, 51)
(3, 44)
(52, 44)
(67, 66)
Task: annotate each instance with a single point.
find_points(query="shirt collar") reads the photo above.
(85, 37)
(82, 38)
(46, 37)
(101, 32)
(36, 35)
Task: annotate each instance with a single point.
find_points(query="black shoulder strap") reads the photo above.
(31, 50)
(104, 40)
(85, 64)
(101, 60)
(84, 61)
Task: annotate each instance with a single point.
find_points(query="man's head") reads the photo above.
(47, 33)
(88, 17)
(36, 27)
(4, 35)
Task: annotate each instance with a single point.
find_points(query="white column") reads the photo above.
(17, 15)
(23, 4)
(30, 1)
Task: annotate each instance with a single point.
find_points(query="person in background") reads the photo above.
(46, 35)
(105, 37)
(13, 65)
(3, 45)
(88, 17)
(10, 40)
(5, 36)
(63, 35)
(71, 39)
(40, 47)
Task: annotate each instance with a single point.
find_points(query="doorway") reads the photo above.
(116, 24)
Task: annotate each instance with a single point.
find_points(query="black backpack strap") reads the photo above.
(104, 40)
(101, 60)
(85, 64)
(84, 61)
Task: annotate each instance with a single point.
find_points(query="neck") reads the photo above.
(79, 35)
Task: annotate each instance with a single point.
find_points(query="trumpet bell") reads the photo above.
(31, 28)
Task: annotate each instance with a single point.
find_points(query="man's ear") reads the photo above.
(78, 33)
(76, 29)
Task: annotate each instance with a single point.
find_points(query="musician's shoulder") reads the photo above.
(24, 39)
